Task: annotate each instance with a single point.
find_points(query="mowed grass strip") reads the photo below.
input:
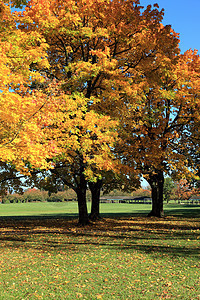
(127, 257)
(70, 209)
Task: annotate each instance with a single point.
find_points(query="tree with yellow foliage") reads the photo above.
(91, 46)
(21, 135)
(84, 139)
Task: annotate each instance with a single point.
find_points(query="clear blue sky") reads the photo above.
(184, 17)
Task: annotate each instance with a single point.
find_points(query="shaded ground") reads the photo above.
(131, 229)
(119, 257)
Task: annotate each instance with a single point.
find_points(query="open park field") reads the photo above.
(45, 255)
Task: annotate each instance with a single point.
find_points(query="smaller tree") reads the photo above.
(83, 139)
(184, 190)
(168, 189)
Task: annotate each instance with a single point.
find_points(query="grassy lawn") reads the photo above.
(44, 255)
(70, 209)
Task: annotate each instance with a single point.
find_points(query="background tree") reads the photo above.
(184, 190)
(160, 142)
(168, 189)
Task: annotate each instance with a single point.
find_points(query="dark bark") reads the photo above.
(95, 188)
(79, 185)
(82, 204)
(82, 207)
(156, 182)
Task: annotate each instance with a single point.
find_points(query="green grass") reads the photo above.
(39, 209)
(70, 209)
(127, 257)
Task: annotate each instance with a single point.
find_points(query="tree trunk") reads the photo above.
(82, 205)
(95, 188)
(156, 182)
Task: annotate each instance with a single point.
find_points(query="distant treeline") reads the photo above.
(116, 196)
(36, 195)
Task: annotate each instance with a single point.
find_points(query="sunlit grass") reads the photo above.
(71, 209)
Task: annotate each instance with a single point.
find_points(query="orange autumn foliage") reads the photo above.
(184, 190)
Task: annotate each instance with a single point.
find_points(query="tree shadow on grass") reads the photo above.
(186, 211)
(180, 219)
(77, 246)
(163, 250)
(123, 233)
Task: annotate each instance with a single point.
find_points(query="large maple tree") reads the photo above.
(91, 45)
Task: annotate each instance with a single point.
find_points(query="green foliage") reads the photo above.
(17, 3)
(13, 198)
(61, 196)
(120, 192)
(168, 189)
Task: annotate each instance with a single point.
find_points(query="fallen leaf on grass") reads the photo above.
(79, 295)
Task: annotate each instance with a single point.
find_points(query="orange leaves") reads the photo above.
(154, 133)
(51, 15)
(184, 190)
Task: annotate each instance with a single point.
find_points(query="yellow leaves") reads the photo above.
(66, 127)
(86, 32)
(89, 174)
(18, 51)
(84, 70)
(21, 136)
